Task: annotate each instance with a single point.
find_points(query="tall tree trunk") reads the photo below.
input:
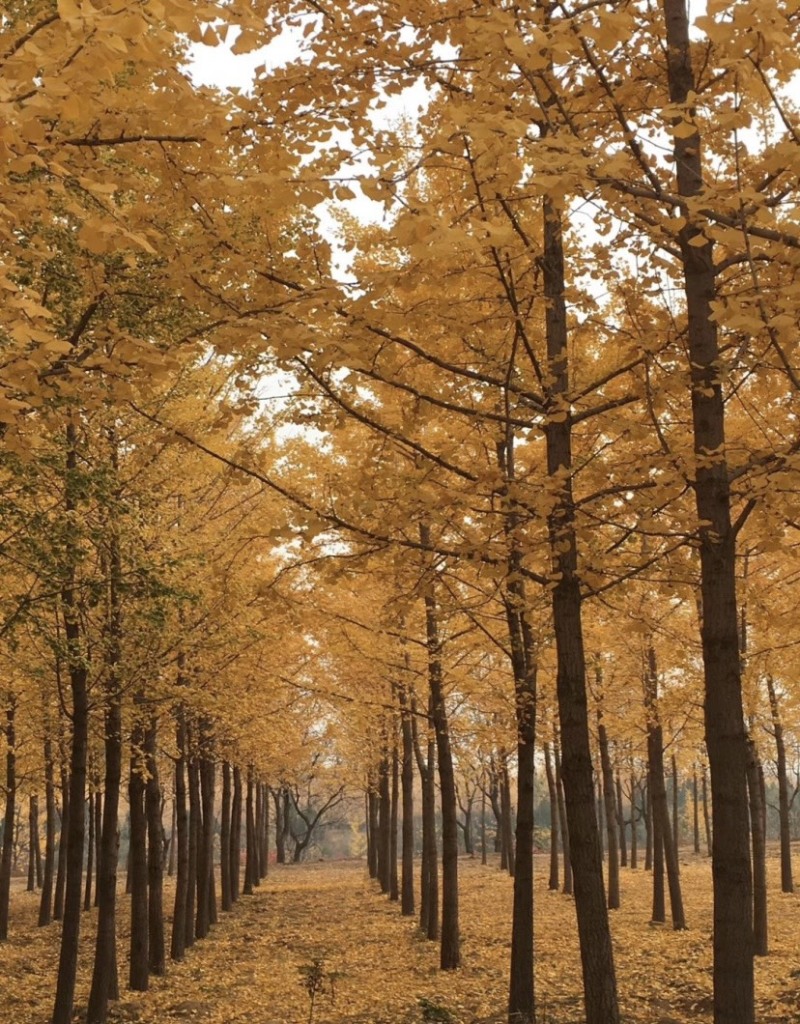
(195, 830)
(384, 812)
(46, 901)
(236, 833)
(373, 831)
(105, 981)
(676, 829)
(658, 793)
(597, 956)
(225, 839)
(250, 881)
(139, 976)
(34, 846)
(553, 797)
(648, 824)
(172, 858)
(98, 840)
(78, 677)
(450, 949)
(706, 816)
(63, 843)
(787, 882)
(759, 840)
(620, 808)
(407, 787)
(634, 825)
(394, 886)
(155, 852)
(563, 824)
(8, 820)
(507, 855)
(429, 868)
(695, 812)
(87, 892)
(182, 884)
(724, 717)
(607, 773)
(206, 912)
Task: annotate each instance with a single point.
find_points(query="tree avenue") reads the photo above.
(391, 486)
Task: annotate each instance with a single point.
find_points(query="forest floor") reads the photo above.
(251, 968)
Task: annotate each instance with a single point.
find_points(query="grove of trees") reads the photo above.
(420, 422)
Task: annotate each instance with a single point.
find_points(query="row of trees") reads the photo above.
(535, 412)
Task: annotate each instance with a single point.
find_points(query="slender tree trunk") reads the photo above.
(407, 788)
(250, 881)
(139, 977)
(608, 802)
(706, 816)
(384, 812)
(724, 717)
(553, 796)
(34, 846)
(563, 825)
(225, 839)
(507, 824)
(450, 949)
(46, 901)
(658, 791)
(8, 820)
(87, 893)
(195, 830)
(648, 825)
(620, 807)
(98, 841)
(182, 883)
(155, 853)
(236, 833)
(205, 859)
(634, 826)
(597, 957)
(429, 868)
(78, 677)
(172, 860)
(696, 813)
(373, 828)
(394, 883)
(787, 881)
(105, 981)
(676, 829)
(484, 858)
(63, 844)
(760, 927)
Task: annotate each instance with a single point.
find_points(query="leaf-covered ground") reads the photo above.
(251, 969)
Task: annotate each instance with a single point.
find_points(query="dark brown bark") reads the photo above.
(155, 853)
(206, 911)
(182, 885)
(8, 819)
(695, 813)
(46, 901)
(676, 830)
(139, 974)
(225, 839)
(105, 981)
(787, 881)
(407, 788)
(759, 841)
(373, 839)
(634, 825)
(724, 718)
(98, 841)
(90, 842)
(77, 663)
(195, 830)
(263, 832)
(34, 845)
(620, 808)
(706, 816)
(597, 957)
(609, 805)
(236, 833)
(394, 884)
(648, 825)
(450, 948)
(384, 812)
(553, 882)
(63, 844)
(250, 870)
(663, 834)
(563, 824)
(507, 855)
(429, 867)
